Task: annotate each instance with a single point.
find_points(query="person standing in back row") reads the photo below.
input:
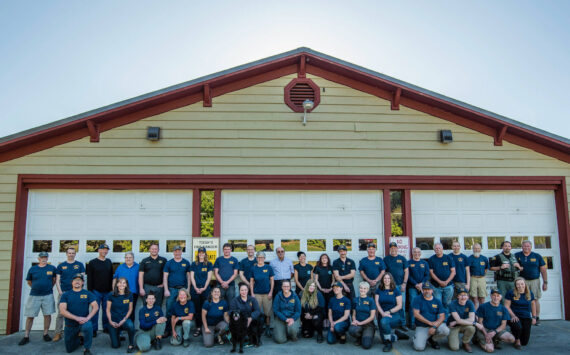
(344, 270)
(506, 269)
(372, 268)
(282, 270)
(462, 279)
(533, 266)
(442, 272)
(100, 283)
(226, 270)
(64, 275)
(150, 275)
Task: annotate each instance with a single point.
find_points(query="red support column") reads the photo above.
(387, 220)
(196, 209)
(407, 215)
(217, 212)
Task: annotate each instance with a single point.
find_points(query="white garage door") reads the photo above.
(125, 220)
(311, 221)
(490, 217)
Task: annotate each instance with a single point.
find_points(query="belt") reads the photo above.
(532, 279)
(178, 287)
(478, 277)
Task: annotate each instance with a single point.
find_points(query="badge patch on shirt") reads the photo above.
(422, 265)
(413, 265)
(499, 313)
(460, 260)
(204, 269)
(156, 313)
(264, 270)
(183, 265)
(49, 272)
(83, 296)
(365, 302)
(391, 292)
(482, 263)
(348, 263)
(125, 301)
(341, 304)
(377, 263)
(186, 310)
(533, 260)
(444, 263)
(516, 298)
(221, 308)
(64, 267)
(231, 262)
(399, 261)
(147, 315)
(292, 301)
(76, 267)
(330, 272)
(308, 272)
(434, 305)
(160, 261)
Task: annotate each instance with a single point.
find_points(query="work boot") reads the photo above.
(57, 337)
(467, 347)
(320, 337)
(401, 335)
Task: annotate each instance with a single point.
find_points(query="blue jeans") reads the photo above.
(169, 302)
(101, 298)
(386, 324)
(444, 294)
(71, 336)
(402, 312)
(339, 330)
(129, 327)
(412, 293)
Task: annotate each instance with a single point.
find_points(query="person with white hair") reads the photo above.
(478, 266)
(363, 314)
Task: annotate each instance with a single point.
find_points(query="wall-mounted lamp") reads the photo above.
(307, 106)
(445, 136)
(153, 133)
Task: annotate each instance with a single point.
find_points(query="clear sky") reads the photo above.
(62, 58)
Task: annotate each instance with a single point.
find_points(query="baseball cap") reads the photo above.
(338, 284)
(103, 246)
(393, 245)
(342, 247)
(77, 276)
(43, 254)
(201, 249)
(462, 290)
(371, 245)
(494, 290)
(427, 284)
(178, 247)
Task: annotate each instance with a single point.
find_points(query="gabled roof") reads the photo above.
(301, 61)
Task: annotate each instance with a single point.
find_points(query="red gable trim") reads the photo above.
(299, 63)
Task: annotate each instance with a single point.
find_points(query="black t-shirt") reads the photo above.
(152, 269)
(304, 273)
(100, 275)
(325, 275)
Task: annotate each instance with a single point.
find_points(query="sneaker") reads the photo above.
(186, 343)
(401, 335)
(268, 332)
(404, 328)
(131, 349)
(57, 337)
(24, 341)
(47, 337)
(198, 332)
(434, 344)
(342, 339)
(158, 344)
(86, 352)
(467, 347)
(412, 326)
(537, 321)
(387, 346)
(94, 334)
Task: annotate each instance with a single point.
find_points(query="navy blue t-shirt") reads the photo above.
(418, 271)
(492, 316)
(148, 316)
(429, 309)
(462, 311)
(215, 311)
(77, 304)
(372, 268)
(339, 306)
(344, 268)
(226, 267)
(324, 275)
(177, 272)
(42, 279)
(477, 266)
(303, 273)
(363, 307)
(261, 276)
(66, 271)
(201, 272)
(387, 298)
(245, 265)
(119, 306)
(441, 266)
(520, 306)
(180, 310)
(396, 265)
(531, 264)
(460, 261)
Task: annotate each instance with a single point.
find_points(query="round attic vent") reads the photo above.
(299, 90)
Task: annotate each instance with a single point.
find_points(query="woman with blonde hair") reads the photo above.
(521, 305)
(312, 311)
(182, 318)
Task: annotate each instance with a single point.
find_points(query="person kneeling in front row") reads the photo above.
(339, 315)
(74, 307)
(152, 325)
(182, 319)
(389, 304)
(287, 311)
(492, 322)
(119, 309)
(215, 318)
(363, 314)
(461, 320)
(429, 316)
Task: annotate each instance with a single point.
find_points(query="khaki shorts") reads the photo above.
(35, 303)
(478, 287)
(265, 304)
(534, 287)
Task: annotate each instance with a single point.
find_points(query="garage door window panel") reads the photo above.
(470, 241)
(64, 244)
(42, 245)
(144, 245)
(345, 242)
(542, 242)
(264, 245)
(317, 245)
(447, 242)
(122, 246)
(363, 243)
(92, 245)
(291, 244)
(170, 244)
(238, 245)
(425, 243)
(495, 242)
(516, 242)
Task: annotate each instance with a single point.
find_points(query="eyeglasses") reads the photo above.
(280, 251)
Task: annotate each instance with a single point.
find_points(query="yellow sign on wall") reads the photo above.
(211, 244)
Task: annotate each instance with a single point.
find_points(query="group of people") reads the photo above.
(446, 297)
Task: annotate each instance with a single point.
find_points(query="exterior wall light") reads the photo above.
(445, 136)
(153, 133)
(307, 106)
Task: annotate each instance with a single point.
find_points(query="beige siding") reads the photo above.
(252, 131)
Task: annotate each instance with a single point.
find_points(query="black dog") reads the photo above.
(238, 329)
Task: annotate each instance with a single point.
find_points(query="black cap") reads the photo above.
(494, 290)
(178, 247)
(462, 290)
(371, 245)
(341, 247)
(77, 276)
(103, 246)
(427, 284)
(43, 254)
(338, 284)
(201, 249)
(393, 245)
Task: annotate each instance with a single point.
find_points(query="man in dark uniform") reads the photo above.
(65, 272)
(100, 283)
(344, 270)
(506, 269)
(151, 275)
(372, 268)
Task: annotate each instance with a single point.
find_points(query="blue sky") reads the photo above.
(62, 58)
